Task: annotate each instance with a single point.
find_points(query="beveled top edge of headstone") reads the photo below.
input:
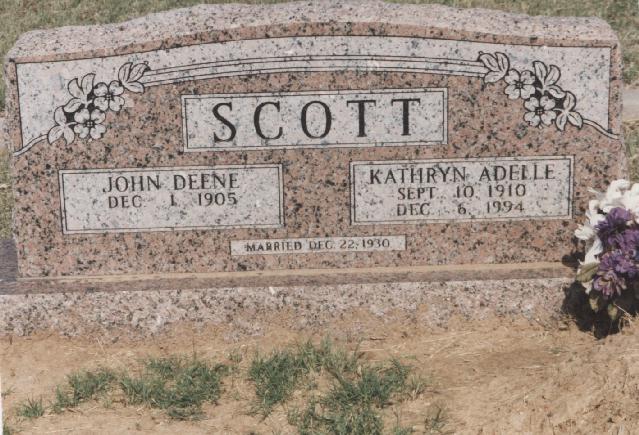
(105, 39)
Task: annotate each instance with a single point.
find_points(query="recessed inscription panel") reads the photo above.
(166, 199)
(461, 189)
(318, 245)
(315, 119)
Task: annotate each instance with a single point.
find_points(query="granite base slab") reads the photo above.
(147, 305)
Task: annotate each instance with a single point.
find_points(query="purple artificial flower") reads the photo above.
(615, 267)
(627, 241)
(616, 222)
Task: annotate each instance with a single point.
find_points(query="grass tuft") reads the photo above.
(278, 375)
(631, 138)
(352, 405)
(31, 408)
(398, 430)
(352, 401)
(6, 429)
(81, 387)
(176, 385)
(6, 197)
(275, 378)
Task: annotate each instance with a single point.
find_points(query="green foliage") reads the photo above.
(6, 429)
(31, 408)
(616, 306)
(631, 137)
(587, 272)
(176, 385)
(352, 405)
(81, 387)
(596, 301)
(179, 386)
(350, 402)
(6, 198)
(398, 430)
(275, 378)
(278, 375)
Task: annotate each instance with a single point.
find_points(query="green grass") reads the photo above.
(31, 408)
(178, 386)
(19, 16)
(355, 399)
(325, 389)
(81, 387)
(278, 375)
(6, 429)
(6, 198)
(354, 396)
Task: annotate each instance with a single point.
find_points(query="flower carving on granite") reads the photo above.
(81, 93)
(497, 65)
(548, 77)
(84, 114)
(519, 85)
(89, 123)
(108, 97)
(567, 114)
(546, 103)
(540, 111)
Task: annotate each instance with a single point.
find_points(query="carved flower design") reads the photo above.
(109, 97)
(548, 77)
(497, 65)
(545, 101)
(568, 114)
(89, 123)
(540, 111)
(86, 111)
(519, 85)
(62, 127)
(81, 93)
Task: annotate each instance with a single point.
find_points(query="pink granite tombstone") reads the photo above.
(311, 141)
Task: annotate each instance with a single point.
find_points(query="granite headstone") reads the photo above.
(346, 137)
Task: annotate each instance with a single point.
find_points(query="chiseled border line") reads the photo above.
(63, 211)
(490, 70)
(567, 216)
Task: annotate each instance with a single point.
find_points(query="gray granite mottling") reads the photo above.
(141, 313)
(211, 18)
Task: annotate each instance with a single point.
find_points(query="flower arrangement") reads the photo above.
(610, 270)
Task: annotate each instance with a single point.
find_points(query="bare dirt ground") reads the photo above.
(489, 376)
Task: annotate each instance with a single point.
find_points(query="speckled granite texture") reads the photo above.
(143, 306)
(144, 313)
(486, 60)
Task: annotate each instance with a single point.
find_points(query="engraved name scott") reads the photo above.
(315, 119)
